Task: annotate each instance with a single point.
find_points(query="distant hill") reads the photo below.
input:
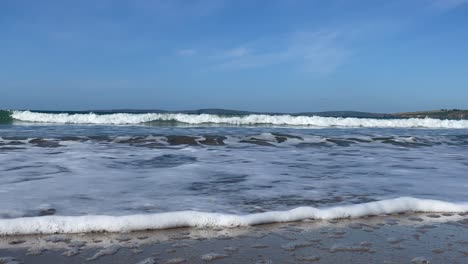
(215, 111)
(129, 111)
(439, 114)
(346, 114)
(324, 114)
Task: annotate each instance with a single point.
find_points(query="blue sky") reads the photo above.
(271, 55)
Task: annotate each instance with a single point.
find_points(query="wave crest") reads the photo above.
(253, 119)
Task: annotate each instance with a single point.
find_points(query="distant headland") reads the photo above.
(439, 114)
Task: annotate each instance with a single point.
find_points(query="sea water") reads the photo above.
(122, 172)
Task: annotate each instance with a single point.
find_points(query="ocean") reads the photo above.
(87, 172)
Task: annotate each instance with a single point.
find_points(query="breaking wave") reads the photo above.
(252, 119)
(101, 223)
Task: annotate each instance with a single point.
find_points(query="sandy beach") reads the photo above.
(402, 238)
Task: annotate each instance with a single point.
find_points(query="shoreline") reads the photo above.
(53, 224)
(396, 238)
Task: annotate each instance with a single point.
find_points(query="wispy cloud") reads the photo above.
(235, 53)
(177, 8)
(326, 48)
(317, 52)
(186, 52)
(445, 5)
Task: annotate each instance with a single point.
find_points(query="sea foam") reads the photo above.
(101, 223)
(315, 121)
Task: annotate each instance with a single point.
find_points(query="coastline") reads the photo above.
(397, 238)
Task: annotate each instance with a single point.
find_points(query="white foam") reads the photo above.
(101, 223)
(315, 121)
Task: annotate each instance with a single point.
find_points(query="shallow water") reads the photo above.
(120, 170)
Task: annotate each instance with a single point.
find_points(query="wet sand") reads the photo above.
(403, 238)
